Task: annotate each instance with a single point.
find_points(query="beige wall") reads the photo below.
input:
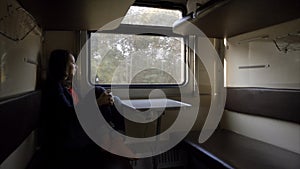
(251, 49)
(20, 48)
(16, 74)
(283, 72)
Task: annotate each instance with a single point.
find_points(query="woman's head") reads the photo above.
(61, 65)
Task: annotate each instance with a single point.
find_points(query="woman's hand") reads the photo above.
(105, 98)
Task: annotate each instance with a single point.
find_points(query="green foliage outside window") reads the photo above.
(138, 59)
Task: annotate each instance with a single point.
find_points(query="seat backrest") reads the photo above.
(18, 118)
(282, 104)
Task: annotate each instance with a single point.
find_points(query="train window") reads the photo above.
(151, 16)
(143, 50)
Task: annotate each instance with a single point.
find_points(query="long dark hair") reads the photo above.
(57, 65)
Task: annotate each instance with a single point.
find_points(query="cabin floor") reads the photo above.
(175, 158)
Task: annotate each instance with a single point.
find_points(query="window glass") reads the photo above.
(151, 16)
(146, 58)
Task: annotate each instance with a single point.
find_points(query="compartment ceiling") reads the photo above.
(236, 17)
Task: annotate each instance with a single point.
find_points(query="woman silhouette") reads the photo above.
(64, 142)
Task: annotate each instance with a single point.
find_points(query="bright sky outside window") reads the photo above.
(151, 16)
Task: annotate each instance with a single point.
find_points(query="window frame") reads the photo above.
(140, 30)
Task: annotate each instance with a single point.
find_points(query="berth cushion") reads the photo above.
(282, 104)
(18, 118)
(226, 149)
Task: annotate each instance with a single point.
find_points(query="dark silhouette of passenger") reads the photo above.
(65, 143)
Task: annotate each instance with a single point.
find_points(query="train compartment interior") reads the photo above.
(256, 43)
